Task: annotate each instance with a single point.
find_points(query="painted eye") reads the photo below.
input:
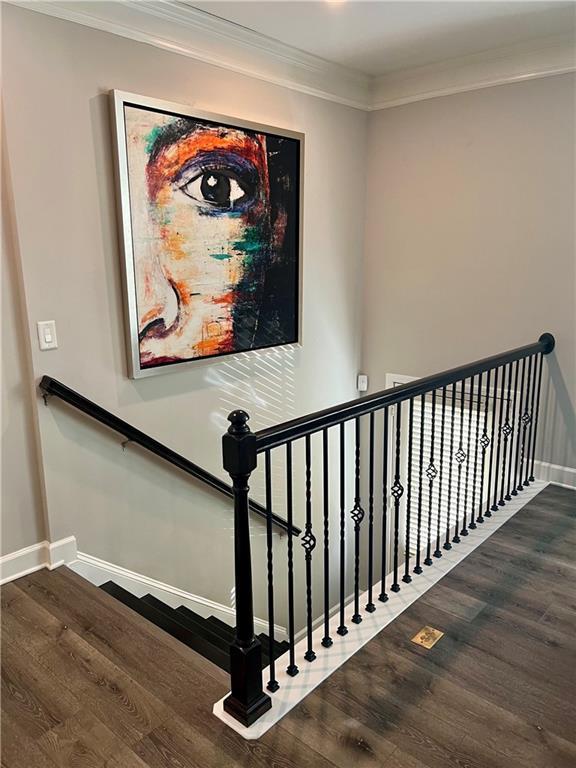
(216, 189)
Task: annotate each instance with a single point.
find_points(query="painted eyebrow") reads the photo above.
(172, 133)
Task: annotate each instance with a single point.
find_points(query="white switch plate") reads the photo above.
(362, 382)
(47, 334)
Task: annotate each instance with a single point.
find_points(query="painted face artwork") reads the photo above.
(214, 234)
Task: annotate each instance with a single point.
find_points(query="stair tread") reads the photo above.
(192, 619)
(195, 627)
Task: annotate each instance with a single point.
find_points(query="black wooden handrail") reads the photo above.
(50, 386)
(306, 425)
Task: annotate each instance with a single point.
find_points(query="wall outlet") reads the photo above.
(47, 338)
(362, 382)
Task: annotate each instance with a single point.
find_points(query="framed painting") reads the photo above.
(210, 210)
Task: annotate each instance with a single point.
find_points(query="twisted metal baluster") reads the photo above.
(292, 669)
(508, 497)
(484, 442)
(383, 596)
(494, 506)
(536, 417)
(418, 567)
(529, 443)
(472, 523)
(526, 419)
(273, 684)
(407, 578)
(326, 640)
(308, 542)
(447, 543)
(460, 458)
(506, 430)
(342, 629)
(464, 531)
(438, 551)
(397, 490)
(488, 513)
(519, 429)
(357, 515)
(370, 607)
(431, 473)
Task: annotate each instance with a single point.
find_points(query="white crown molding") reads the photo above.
(38, 556)
(176, 26)
(546, 57)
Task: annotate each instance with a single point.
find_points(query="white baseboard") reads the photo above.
(98, 571)
(42, 555)
(555, 474)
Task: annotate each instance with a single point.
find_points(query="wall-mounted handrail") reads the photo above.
(306, 425)
(50, 386)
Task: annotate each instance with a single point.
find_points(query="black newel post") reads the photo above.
(247, 702)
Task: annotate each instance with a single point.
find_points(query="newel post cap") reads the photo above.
(548, 342)
(239, 445)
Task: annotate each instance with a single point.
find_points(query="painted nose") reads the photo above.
(157, 303)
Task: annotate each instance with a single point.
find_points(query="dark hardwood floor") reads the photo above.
(87, 682)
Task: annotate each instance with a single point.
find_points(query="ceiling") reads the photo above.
(381, 37)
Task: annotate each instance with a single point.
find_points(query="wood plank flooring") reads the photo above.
(88, 683)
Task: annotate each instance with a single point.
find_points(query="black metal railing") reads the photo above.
(452, 449)
(52, 387)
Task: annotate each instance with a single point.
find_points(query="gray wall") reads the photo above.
(470, 238)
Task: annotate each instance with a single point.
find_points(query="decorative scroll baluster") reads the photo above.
(431, 473)
(508, 497)
(526, 419)
(447, 543)
(370, 607)
(494, 506)
(472, 523)
(326, 640)
(529, 441)
(397, 490)
(488, 512)
(407, 578)
(438, 551)
(506, 430)
(357, 515)
(536, 414)
(383, 595)
(464, 531)
(342, 629)
(272, 682)
(308, 542)
(460, 458)
(418, 567)
(484, 442)
(519, 429)
(291, 669)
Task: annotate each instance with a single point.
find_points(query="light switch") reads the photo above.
(47, 334)
(362, 383)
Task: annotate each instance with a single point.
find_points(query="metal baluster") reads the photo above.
(488, 513)
(460, 457)
(536, 415)
(494, 506)
(407, 578)
(370, 607)
(519, 429)
(397, 490)
(438, 551)
(447, 543)
(431, 473)
(342, 629)
(272, 682)
(508, 497)
(418, 567)
(308, 542)
(326, 640)
(357, 515)
(472, 523)
(529, 442)
(484, 442)
(464, 531)
(506, 430)
(292, 669)
(383, 596)
(526, 419)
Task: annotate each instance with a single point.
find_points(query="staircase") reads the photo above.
(209, 637)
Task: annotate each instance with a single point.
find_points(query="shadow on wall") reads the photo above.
(558, 418)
